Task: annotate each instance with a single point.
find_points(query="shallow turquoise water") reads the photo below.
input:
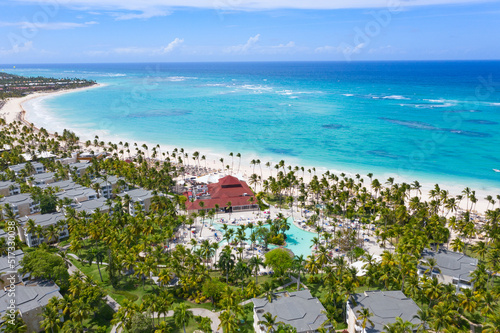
(298, 240)
(431, 121)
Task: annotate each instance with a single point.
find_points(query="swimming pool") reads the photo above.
(298, 240)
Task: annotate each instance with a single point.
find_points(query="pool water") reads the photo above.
(298, 240)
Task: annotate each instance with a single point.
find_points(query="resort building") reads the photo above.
(45, 220)
(385, 306)
(298, 309)
(109, 185)
(8, 188)
(80, 168)
(37, 167)
(451, 267)
(90, 206)
(30, 300)
(21, 204)
(63, 185)
(9, 266)
(41, 179)
(227, 190)
(139, 197)
(78, 194)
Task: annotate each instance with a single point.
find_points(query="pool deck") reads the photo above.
(243, 218)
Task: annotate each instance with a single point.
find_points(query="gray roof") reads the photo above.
(44, 176)
(77, 192)
(64, 185)
(452, 264)
(298, 309)
(19, 167)
(110, 180)
(5, 265)
(8, 184)
(385, 306)
(79, 165)
(138, 194)
(91, 205)
(17, 199)
(29, 297)
(43, 219)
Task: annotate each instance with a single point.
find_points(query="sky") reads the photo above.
(102, 31)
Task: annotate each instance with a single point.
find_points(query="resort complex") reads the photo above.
(97, 240)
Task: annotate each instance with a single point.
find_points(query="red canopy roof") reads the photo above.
(228, 189)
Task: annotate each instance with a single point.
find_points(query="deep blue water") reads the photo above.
(432, 121)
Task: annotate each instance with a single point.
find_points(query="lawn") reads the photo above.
(129, 287)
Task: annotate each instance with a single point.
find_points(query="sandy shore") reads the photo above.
(13, 110)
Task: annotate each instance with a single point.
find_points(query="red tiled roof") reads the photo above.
(229, 181)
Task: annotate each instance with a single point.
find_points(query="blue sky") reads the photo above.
(65, 31)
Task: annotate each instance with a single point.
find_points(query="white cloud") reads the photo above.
(172, 45)
(343, 49)
(244, 48)
(146, 14)
(47, 26)
(254, 46)
(18, 48)
(140, 50)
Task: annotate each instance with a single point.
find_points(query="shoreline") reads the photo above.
(13, 110)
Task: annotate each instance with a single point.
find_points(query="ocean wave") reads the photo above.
(256, 87)
(180, 78)
(348, 95)
(396, 97)
(494, 104)
(214, 85)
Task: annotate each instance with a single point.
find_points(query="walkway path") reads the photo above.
(214, 316)
(109, 301)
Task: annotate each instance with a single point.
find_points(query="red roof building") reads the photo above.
(228, 189)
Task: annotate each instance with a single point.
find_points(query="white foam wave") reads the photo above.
(180, 78)
(397, 97)
(494, 104)
(348, 95)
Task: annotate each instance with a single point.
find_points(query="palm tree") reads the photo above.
(15, 325)
(363, 315)
(51, 316)
(228, 322)
(400, 326)
(298, 265)
(492, 324)
(254, 264)
(269, 322)
(98, 255)
(182, 315)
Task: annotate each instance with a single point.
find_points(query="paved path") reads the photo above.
(109, 301)
(214, 316)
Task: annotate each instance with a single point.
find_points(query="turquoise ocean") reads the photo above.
(436, 122)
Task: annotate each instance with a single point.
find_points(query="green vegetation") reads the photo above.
(17, 86)
(127, 250)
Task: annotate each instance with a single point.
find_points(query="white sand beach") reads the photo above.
(13, 110)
